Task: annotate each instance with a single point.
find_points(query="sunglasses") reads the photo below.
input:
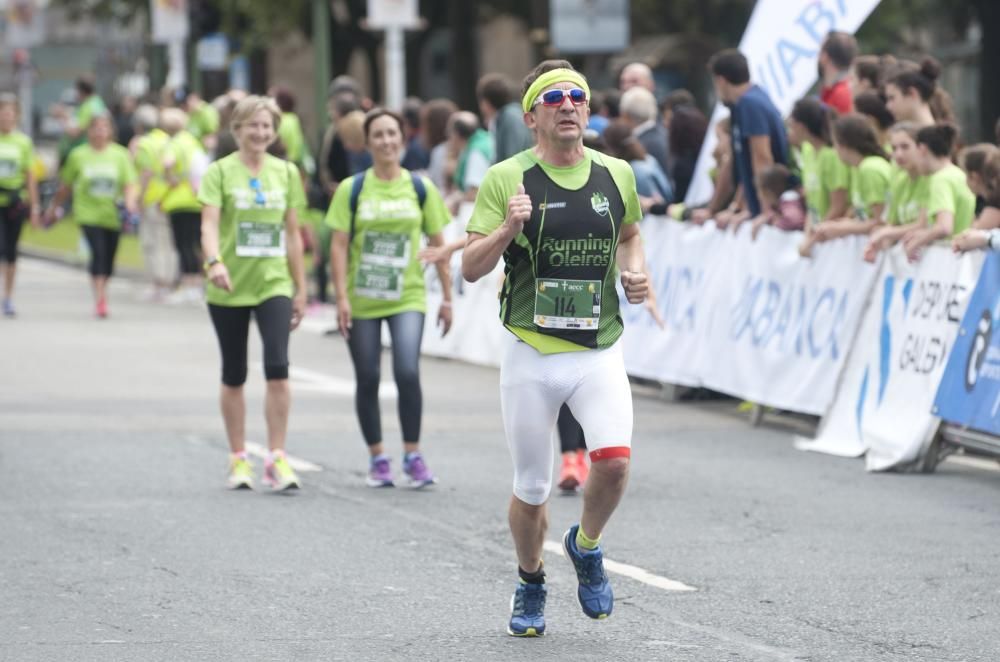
(556, 97)
(256, 187)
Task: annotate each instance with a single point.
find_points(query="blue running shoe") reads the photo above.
(527, 610)
(594, 591)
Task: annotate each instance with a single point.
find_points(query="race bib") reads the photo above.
(103, 187)
(377, 281)
(567, 304)
(384, 258)
(8, 169)
(255, 239)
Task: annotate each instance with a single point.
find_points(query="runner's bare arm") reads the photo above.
(217, 273)
(482, 252)
(632, 263)
(339, 246)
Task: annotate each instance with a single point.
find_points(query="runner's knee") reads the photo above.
(277, 371)
(532, 490)
(234, 374)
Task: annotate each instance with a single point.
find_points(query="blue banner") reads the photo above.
(969, 393)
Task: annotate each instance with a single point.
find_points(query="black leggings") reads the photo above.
(365, 343)
(232, 327)
(103, 246)
(570, 432)
(187, 237)
(10, 232)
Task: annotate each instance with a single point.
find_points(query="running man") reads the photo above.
(564, 218)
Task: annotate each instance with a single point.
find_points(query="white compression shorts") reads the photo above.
(533, 386)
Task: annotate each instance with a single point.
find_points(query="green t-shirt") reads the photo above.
(16, 155)
(187, 154)
(822, 173)
(252, 227)
(290, 133)
(948, 191)
(203, 121)
(869, 185)
(559, 294)
(385, 276)
(907, 197)
(149, 158)
(98, 179)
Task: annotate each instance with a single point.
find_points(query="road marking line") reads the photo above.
(296, 463)
(630, 571)
(311, 380)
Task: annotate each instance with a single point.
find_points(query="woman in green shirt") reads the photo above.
(857, 145)
(378, 217)
(250, 235)
(951, 205)
(184, 164)
(824, 175)
(16, 177)
(100, 174)
(907, 200)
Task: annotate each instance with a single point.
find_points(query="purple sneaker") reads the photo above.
(416, 471)
(379, 473)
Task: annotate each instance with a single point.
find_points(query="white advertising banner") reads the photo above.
(682, 261)
(749, 318)
(783, 325)
(883, 406)
(935, 294)
(782, 42)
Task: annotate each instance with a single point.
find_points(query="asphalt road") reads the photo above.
(120, 543)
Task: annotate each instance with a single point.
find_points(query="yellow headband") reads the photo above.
(550, 78)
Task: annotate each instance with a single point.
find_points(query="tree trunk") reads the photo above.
(989, 65)
(463, 21)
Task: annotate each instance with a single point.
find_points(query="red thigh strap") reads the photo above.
(610, 452)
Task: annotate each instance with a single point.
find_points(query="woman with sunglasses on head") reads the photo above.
(101, 177)
(378, 217)
(564, 218)
(250, 237)
(16, 180)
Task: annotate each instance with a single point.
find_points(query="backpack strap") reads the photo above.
(359, 181)
(420, 188)
(356, 183)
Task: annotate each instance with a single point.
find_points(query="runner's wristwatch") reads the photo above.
(211, 262)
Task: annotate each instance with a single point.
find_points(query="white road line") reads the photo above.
(296, 463)
(311, 380)
(630, 571)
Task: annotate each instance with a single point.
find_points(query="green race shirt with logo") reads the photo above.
(949, 192)
(252, 227)
(16, 155)
(869, 185)
(559, 293)
(385, 276)
(98, 179)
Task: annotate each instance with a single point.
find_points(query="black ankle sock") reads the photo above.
(537, 577)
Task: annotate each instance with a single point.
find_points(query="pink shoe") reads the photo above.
(102, 308)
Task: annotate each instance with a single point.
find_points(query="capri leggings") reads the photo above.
(10, 232)
(187, 238)
(103, 246)
(365, 342)
(533, 386)
(232, 327)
